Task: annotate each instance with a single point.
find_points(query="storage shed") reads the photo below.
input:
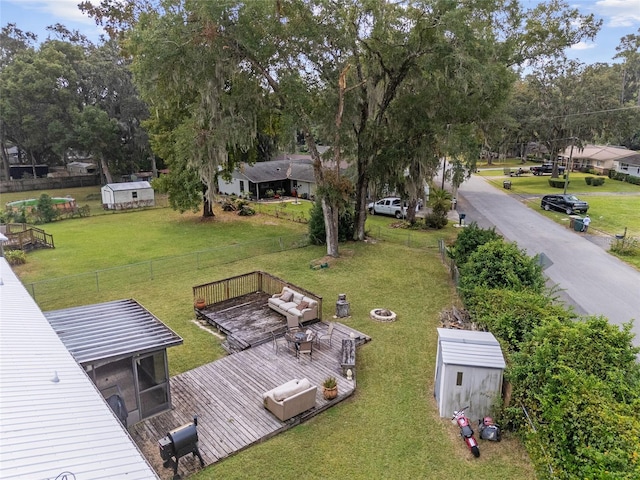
(469, 369)
(122, 196)
(123, 349)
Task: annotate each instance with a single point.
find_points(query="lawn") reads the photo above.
(390, 428)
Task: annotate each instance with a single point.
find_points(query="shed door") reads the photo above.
(152, 377)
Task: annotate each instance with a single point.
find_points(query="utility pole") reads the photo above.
(569, 164)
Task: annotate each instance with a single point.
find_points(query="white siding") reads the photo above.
(474, 358)
(46, 427)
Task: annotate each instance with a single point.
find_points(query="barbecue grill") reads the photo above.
(179, 442)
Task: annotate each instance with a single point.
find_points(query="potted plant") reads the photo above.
(330, 388)
(200, 303)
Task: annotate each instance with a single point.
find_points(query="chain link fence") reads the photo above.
(46, 292)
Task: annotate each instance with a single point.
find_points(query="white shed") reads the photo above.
(122, 196)
(469, 368)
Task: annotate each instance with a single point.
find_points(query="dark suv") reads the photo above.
(564, 203)
(546, 168)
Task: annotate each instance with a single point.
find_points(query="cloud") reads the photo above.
(620, 13)
(583, 46)
(60, 11)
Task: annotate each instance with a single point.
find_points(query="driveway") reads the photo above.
(593, 281)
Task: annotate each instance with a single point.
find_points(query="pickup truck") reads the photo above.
(546, 168)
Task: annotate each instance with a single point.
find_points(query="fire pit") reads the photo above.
(383, 315)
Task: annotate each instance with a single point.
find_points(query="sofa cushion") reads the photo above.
(287, 306)
(290, 389)
(286, 296)
(275, 301)
(302, 305)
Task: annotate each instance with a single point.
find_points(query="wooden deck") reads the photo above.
(226, 395)
(247, 321)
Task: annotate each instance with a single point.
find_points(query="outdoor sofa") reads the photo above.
(290, 399)
(292, 303)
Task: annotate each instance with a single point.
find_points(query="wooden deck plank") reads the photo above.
(227, 397)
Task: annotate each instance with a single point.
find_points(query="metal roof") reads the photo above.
(51, 427)
(468, 347)
(275, 170)
(110, 330)
(127, 186)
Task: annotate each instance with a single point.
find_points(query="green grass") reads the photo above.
(390, 427)
(539, 185)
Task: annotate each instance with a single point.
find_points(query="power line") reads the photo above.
(596, 111)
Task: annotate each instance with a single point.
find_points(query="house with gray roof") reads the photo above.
(291, 176)
(603, 158)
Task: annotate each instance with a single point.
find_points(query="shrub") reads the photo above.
(440, 202)
(596, 182)
(555, 183)
(498, 264)
(512, 316)
(468, 240)
(588, 180)
(346, 224)
(15, 257)
(45, 211)
(633, 180)
(626, 247)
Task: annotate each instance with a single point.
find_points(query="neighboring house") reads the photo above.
(291, 176)
(82, 168)
(630, 165)
(54, 422)
(602, 158)
(123, 349)
(122, 196)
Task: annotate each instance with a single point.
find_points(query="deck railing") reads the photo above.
(233, 287)
(24, 237)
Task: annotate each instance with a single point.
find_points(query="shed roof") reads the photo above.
(110, 330)
(127, 186)
(467, 347)
(47, 427)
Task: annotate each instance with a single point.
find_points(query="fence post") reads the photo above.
(97, 281)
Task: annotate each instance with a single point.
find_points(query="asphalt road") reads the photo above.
(592, 281)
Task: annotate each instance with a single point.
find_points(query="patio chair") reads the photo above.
(327, 334)
(279, 341)
(292, 324)
(305, 347)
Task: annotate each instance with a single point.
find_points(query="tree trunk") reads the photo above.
(362, 185)
(5, 171)
(411, 210)
(207, 207)
(330, 213)
(105, 170)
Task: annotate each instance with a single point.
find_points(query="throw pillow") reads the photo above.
(287, 296)
(303, 305)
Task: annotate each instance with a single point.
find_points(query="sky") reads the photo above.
(620, 18)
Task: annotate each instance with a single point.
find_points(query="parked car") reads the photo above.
(546, 168)
(564, 203)
(389, 206)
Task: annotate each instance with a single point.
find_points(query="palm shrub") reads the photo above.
(498, 264)
(440, 202)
